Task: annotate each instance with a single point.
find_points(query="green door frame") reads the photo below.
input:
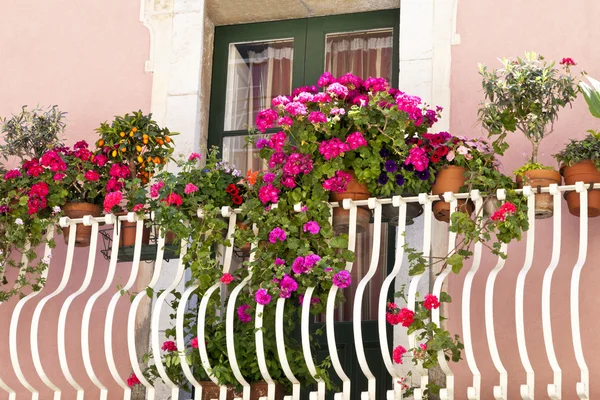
(309, 53)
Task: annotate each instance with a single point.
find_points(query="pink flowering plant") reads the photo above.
(351, 125)
(430, 340)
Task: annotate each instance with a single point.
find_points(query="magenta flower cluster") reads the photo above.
(277, 234)
(338, 183)
(302, 265)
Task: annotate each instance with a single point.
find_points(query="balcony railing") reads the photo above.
(19, 383)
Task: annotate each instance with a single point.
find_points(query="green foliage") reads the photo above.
(526, 95)
(577, 151)
(30, 134)
(591, 93)
(531, 166)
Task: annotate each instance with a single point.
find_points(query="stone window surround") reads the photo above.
(181, 38)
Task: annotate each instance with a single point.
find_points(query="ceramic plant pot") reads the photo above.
(585, 172)
(341, 217)
(245, 248)
(79, 210)
(389, 213)
(544, 204)
(128, 230)
(450, 179)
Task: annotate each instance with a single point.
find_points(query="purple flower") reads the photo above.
(311, 260)
(384, 152)
(243, 314)
(269, 177)
(260, 143)
(287, 286)
(390, 166)
(277, 234)
(423, 175)
(262, 297)
(342, 279)
(383, 178)
(3, 209)
(399, 180)
(312, 227)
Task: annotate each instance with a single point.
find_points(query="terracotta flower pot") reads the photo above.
(260, 389)
(128, 231)
(450, 179)
(544, 204)
(585, 172)
(389, 213)
(212, 391)
(79, 210)
(341, 217)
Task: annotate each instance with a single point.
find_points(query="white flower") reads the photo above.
(46, 260)
(19, 221)
(56, 209)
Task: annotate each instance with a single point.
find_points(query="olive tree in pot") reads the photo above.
(527, 95)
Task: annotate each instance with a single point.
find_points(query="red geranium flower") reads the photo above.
(237, 200)
(232, 190)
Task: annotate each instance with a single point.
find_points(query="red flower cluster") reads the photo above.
(33, 167)
(234, 192)
(395, 316)
(431, 302)
(506, 209)
(567, 61)
(51, 159)
(133, 380)
(173, 199)
(37, 197)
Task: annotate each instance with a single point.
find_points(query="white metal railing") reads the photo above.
(119, 387)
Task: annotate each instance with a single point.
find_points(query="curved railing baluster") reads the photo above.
(202, 308)
(155, 322)
(330, 307)
(526, 390)
(306, 350)
(446, 393)
(582, 387)
(131, 318)
(396, 392)
(501, 390)
(89, 306)
(473, 392)
(413, 287)
(112, 305)
(88, 220)
(358, 301)
(554, 389)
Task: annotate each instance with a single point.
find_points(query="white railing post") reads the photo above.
(358, 301)
(446, 393)
(473, 392)
(88, 220)
(583, 387)
(348, 204)
(554, 389)
(501, 390)
(397, 201)
(413, 287)
(526, 390)
(89, 306)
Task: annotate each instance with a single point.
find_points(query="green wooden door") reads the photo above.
(310, 47)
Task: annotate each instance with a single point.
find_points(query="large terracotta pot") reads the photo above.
(128, 231)
(211, 391)
(341, 217)
(544, 204)
(585, 172)
(450, 179)
(260, 389)
(389, 213)
(79, 210)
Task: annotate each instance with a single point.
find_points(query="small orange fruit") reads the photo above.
(149, 159)
(138, 148)
(145, 137)
(140, 159)
(122, 134)
(123, 149)
(131, 134)
(167, 139)
(134, 129)
(145, 141)
(100, 143)
(114, 153)
(156, 160)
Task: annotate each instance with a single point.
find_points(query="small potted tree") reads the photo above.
(580, 159)
(527, 95)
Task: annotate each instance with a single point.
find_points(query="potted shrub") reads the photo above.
(349, 132)
(580, 159)
(457, 160)
(527, 95)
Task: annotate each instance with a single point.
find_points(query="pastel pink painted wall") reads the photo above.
(554, 29)
(88, 58)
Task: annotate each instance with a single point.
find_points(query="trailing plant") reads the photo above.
(526, 95)
(30, 134)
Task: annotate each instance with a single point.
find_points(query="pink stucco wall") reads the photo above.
(88, 58)
(554, 29)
